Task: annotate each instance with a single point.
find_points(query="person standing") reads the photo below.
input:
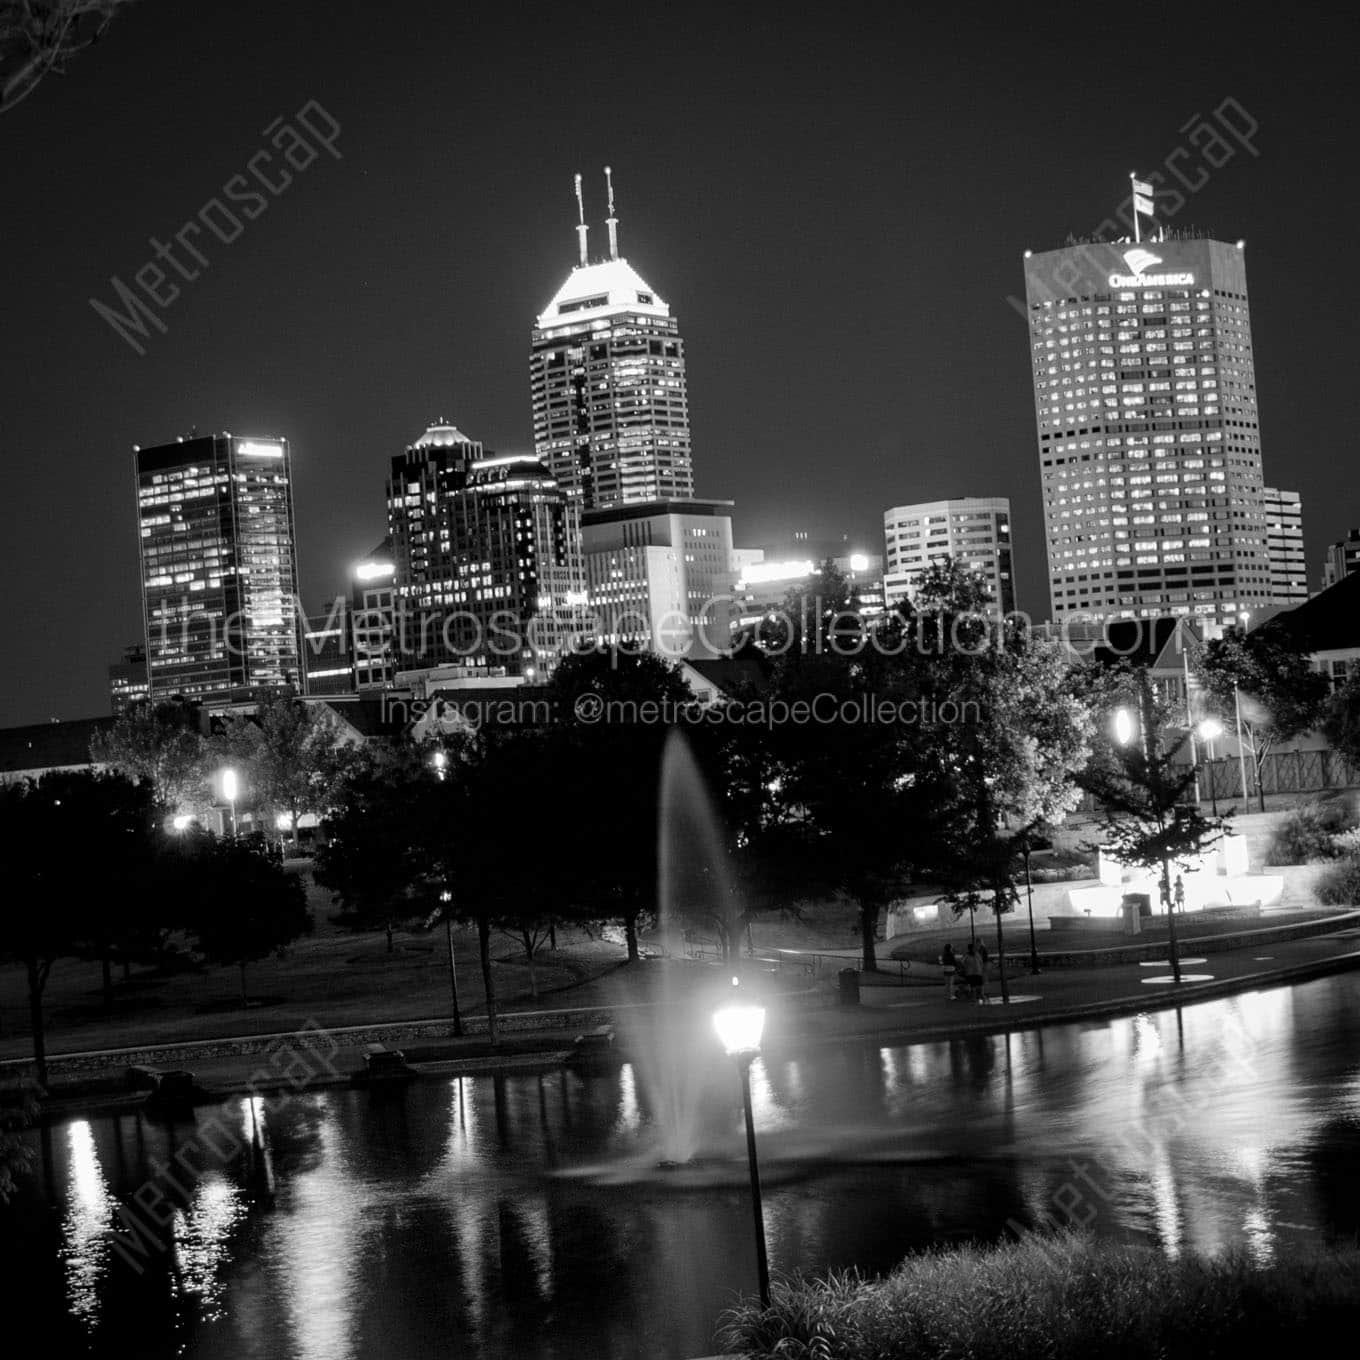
(949, 966)
(972, 972)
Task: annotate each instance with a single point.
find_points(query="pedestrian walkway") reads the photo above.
(1068, 993)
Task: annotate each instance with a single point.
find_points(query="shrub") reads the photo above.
(1059, 1298)
(1306, 833)
(1339, 884)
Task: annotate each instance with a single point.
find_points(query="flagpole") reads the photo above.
(1133, 199)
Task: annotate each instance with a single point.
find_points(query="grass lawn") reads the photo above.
(333, 976)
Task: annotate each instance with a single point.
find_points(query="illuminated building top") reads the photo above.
(608, 386)
(593, 291)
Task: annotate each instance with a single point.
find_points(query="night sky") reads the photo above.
(834, 202)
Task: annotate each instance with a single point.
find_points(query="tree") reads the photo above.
(1278, 694)
(293, 753)
(75, 845)
(39, 37)
(244, 906)
(1341, 721)
(1011, 754)
(845, 786)
(615, 709)
(1142, 790)
(375, 860)
(164, 745)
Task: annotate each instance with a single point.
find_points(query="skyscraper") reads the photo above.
(219, 572)
(1342, 558)
(607, 375)
(127, 679)
(487, 557)
(1148, 431)
(974, 530)
(661, 577)
(1284, 542)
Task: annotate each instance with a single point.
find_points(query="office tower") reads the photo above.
(1284, 542)
(219, 572)
(327, 651)
(1341, 559)
(767, 575)
(373, 606)
(974, 530)
(128, 684)
(607, 369)
(661, 576)
(486, 552)
(1148, 431)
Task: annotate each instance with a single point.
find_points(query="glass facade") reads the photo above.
(219, 572)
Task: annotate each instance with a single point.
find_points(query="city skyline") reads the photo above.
(837, 312)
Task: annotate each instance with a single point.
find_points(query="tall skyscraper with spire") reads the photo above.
(611, 411)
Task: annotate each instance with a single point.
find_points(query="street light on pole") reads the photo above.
(1029, 897)
(1125, 726)
(1210, 730)
(230, 789)
(740, 1027)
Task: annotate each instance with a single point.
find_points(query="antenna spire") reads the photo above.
(581, 227)
(611, 221)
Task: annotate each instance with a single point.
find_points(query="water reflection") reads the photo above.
(480, 1216)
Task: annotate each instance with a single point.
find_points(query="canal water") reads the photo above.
(524, 1216)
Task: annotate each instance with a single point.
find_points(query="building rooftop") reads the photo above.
(49, 746)
(1329, 622)
(593, 289)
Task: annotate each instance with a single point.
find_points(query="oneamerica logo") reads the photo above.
(1138, 261)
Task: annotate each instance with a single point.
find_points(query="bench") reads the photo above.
(382, 1061)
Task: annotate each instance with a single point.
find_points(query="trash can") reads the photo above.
(849, 986)
(1135, 907)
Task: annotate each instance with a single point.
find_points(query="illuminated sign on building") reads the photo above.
(1138, 261)
(374, 571)
(253, 448)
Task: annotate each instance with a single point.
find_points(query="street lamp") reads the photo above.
(1123, 726)
(1029, 897)
(230, 789)
(1210, 730)
(739, 1028)
(1124, 729)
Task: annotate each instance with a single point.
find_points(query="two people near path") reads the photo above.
(971, 968)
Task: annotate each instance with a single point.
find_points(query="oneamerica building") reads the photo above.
(1148, 430)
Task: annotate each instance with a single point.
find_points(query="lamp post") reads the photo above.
(230, 789)
(1210, 730)
(1029, 898)
(1125, 725)
(446, 906)
(739, 1028)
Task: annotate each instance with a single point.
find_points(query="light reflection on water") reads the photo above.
(523, 1216)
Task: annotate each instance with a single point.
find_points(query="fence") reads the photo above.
(1281, 772)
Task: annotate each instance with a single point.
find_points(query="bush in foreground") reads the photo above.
(1339, 884)
(1059, 1298)
(1308, 832)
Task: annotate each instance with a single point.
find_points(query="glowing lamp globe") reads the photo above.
(740, 1028)
(1123, 726)
(1211, 729)
(229, 785)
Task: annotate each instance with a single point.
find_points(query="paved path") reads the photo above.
(920, 1008)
